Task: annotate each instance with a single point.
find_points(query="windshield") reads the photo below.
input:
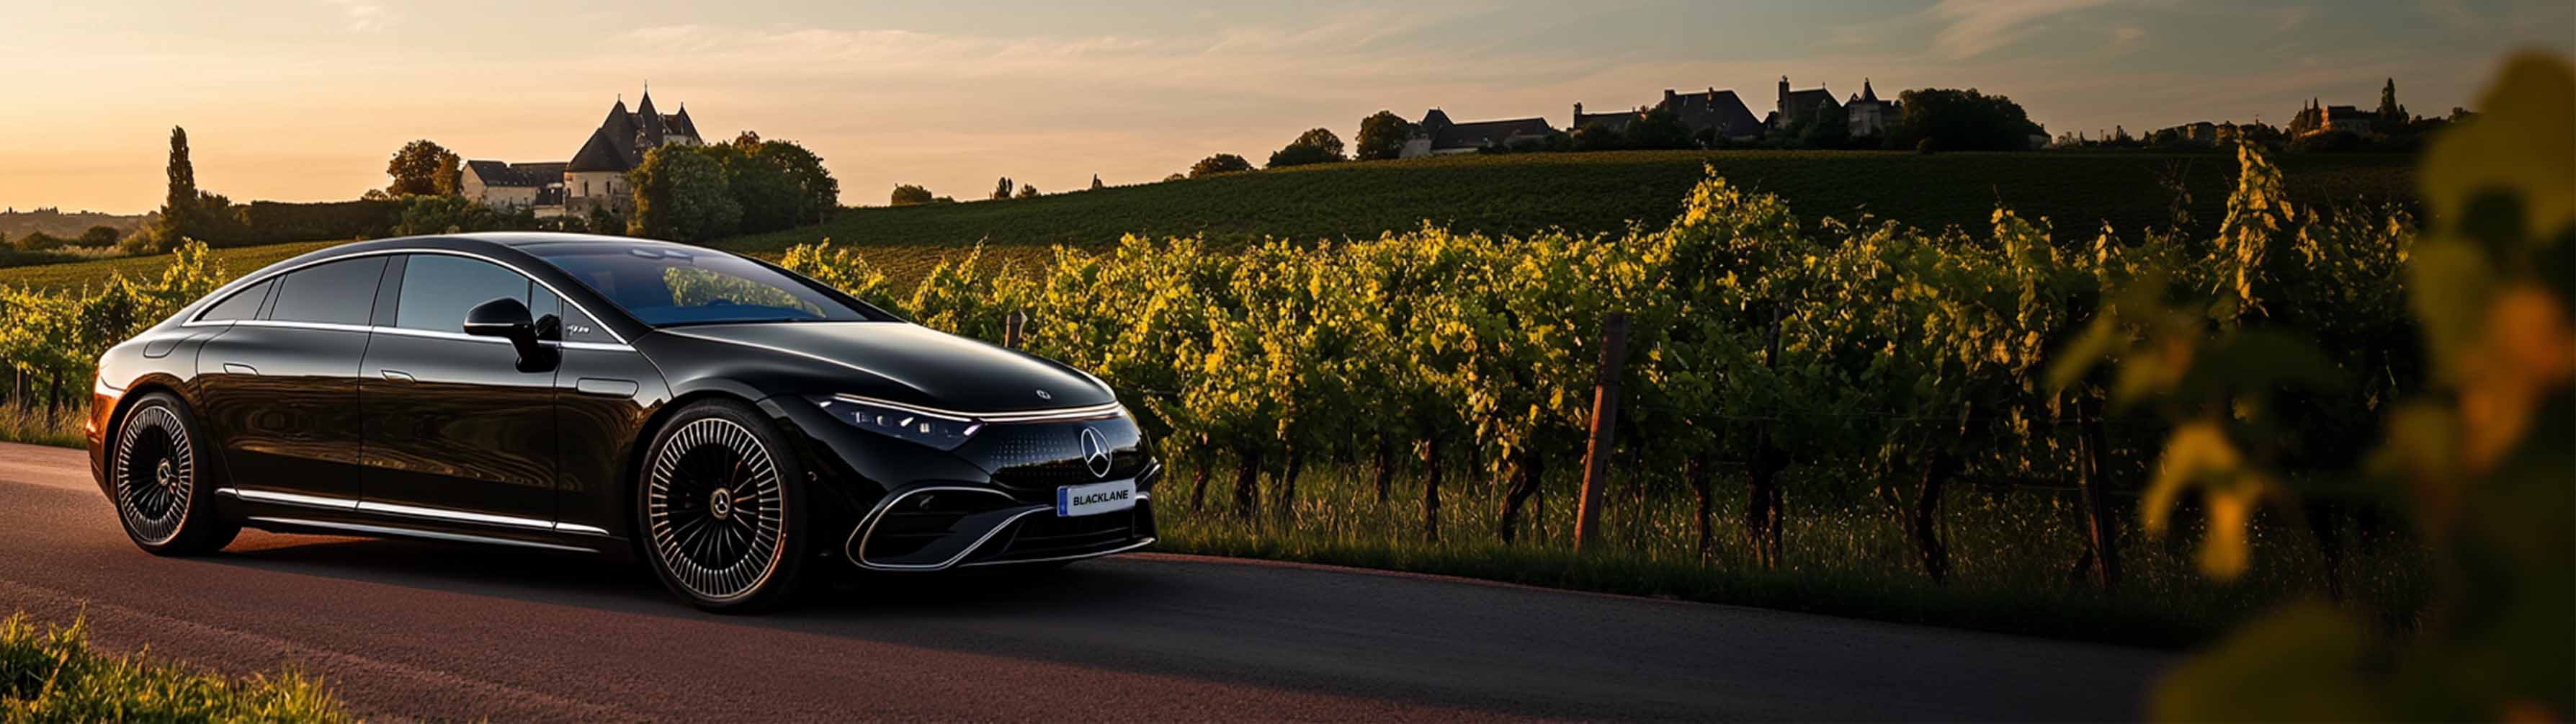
(671, 286)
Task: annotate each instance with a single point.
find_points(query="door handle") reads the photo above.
(399, 376)
(237, 368)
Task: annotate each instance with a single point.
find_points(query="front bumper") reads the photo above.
(939, 527)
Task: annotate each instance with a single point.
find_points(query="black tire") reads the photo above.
(162, 480)
(720, 509)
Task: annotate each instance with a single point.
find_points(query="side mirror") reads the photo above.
(507, 318)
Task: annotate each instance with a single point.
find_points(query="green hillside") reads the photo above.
(1580, 192)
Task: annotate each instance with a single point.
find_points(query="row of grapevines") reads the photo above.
(1865, 351)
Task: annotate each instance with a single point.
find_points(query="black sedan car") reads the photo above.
(732, 423)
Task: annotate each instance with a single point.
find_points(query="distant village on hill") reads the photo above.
(1814, 118)
(593, 188)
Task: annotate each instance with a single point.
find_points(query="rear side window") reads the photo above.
(243, 304)
(438, 289)
(340, 292)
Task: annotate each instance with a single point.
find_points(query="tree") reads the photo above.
(1382, 136)
(908, 194)
(422, 167)
(812, 192)
(101, 235)
(37, 241)
(1597, 136)
(1961, 120)
(681, 195)
(2390, 112)
(1003, 190)
(183, 174)
(183, 210)
(1314, 146)
(1028, 191)
(1660, 128)
(450, 180)
(1219, 164)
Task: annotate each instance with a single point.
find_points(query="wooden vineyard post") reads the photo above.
(1015, 329)
(1605, 420)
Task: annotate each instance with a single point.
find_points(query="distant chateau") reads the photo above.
(596, 175)
(1713, 113)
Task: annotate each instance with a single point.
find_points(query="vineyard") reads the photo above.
(1806, 399)
(2127, 434)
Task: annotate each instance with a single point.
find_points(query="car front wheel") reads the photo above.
(721, 509)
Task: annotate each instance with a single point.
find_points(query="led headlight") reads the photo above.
(937, 430)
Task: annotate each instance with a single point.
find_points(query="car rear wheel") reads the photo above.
(164, 489)
(721, 509)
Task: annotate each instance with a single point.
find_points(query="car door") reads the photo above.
(281, 388)
(455, 427)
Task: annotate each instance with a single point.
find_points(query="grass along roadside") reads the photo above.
(49, 673)
(31, 424)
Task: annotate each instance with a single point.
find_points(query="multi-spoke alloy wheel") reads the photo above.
(716, 510)
(161, 481)
(156, 474)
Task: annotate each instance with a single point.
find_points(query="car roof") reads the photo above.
(526, 238)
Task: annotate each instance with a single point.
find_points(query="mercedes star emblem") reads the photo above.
(1095, 453)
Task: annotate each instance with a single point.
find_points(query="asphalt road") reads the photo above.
(405, 630)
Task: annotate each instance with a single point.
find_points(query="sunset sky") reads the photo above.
(305, 99)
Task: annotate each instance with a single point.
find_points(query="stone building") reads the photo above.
(1868, 116)
(1795, 107)
(1436, 135)
(1714, 112)
(512, 186)
(596, 175)
(2319, 118)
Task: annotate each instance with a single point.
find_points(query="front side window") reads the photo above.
(340, 292)
(667, 286)
(438, 289)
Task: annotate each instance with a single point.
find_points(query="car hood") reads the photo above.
(894, 361)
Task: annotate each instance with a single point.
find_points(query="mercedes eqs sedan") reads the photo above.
(733, 424)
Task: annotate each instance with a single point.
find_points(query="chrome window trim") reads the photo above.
(585, 311)
(416, 533)
(1110, 409)
(287, 324)
(463, 337)
(408, 332)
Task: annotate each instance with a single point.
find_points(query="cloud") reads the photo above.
(363, 16)
(1977, 26)
(2293, 17)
